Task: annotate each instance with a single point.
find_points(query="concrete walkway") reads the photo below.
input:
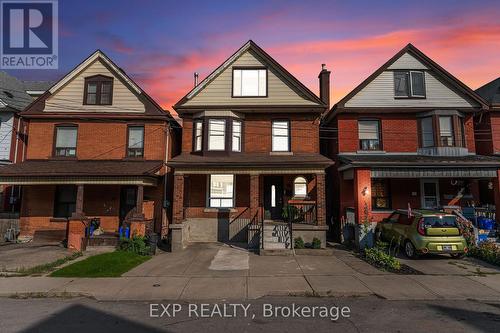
(220, 272)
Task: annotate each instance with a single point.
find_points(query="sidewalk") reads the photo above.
(217, 272)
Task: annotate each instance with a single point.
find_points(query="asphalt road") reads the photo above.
(367, 314)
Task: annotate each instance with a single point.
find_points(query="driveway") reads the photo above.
(15, 257)
(445, 265)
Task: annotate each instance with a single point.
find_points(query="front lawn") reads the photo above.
(110, 264)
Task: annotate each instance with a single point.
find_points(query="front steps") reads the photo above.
(276, 240)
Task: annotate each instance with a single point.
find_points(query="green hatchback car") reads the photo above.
(423, 232)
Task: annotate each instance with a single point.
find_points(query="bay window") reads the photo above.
(427, 131)
(281, 135)
(409, 84)
(198, 135)
(446, 133)
(66, 137)
(236, 135)
(221, 193)
(249, 82)
(216, 134)
(369, 135)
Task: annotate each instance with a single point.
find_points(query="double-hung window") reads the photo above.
(236, 135)
(66, 137)
(216, 134)
(427, 130)
(281, 135)
(409, 84)
(249, 82)
(369, 135)
(446, 133)
(98, 90)
(221, 193)
(135, 144)
(198, 135)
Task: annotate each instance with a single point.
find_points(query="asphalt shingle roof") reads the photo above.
(490, 92)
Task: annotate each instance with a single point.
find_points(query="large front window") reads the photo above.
(249, 82)
(369, 135)
(65, 201)
(409, 84)
(66, 137)
(221, 191)
(381, 198)
(216, 134)
(281, 136)
(135, 146)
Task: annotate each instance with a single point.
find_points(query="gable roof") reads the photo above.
(491, 92)
(420, 56)
(13, 96)
(251, 45)
(152, 107)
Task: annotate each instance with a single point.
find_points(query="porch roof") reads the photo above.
(37, 172)
(251, 160)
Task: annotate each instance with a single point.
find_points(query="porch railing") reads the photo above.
(301, 211)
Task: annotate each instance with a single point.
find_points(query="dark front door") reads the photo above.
(128, 200)
(273, 197)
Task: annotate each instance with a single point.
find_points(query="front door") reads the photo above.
(430, 193)
(128, 200)
(273, 197)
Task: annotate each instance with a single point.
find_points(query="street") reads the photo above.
(367, 314)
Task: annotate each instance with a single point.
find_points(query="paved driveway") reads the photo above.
(14, 257)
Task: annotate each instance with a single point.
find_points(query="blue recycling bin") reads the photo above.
(485, 223)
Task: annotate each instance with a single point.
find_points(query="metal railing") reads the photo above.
(301, 211)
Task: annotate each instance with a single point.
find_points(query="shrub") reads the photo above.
(298, 243)
(379, 257)
(136, 244)
(487, 251)
(316, 243)
(467, 230)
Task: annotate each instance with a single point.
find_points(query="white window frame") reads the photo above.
(237, 136)
(198, 133)
(410, 84)
(295, 182)
(211, 200)
(238, 82)
(210, 135)
(275, 149)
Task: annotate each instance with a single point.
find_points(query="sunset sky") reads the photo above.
(161, 43)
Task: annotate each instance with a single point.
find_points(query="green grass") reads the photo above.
(110, 264)
(45, 268)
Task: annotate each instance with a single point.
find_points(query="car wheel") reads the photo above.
(458, 255)
(410, 250)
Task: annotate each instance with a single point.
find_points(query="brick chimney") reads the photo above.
(324, 85)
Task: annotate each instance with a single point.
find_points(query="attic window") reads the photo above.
(409, 84)
(98, 90)
(249, 82)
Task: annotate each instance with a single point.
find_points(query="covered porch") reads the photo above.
(62, 197)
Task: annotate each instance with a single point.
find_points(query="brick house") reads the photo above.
(250, 150)
(97, 147)
(405, 138)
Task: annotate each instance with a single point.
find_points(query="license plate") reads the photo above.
(447, 248)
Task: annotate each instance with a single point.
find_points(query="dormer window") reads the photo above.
(98, 90)
(249, 82)
(409, 84)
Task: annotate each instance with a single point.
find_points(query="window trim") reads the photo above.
(249, 68)
(208, 197)
(225, 120)
(127, 154)
(410, 84)
(289, 135)
(388, 197)
(54, 143)
(380, 142)
(98, 79)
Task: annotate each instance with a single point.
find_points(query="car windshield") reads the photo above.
(440, 221)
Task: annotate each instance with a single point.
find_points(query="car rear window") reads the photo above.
(440, 221)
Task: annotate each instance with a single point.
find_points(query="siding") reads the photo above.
(380, 93)
(407, 61)
(70, 97)
(218, 92)
(6, 123)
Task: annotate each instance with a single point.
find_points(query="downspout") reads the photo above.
(167, 133)
(12, 189)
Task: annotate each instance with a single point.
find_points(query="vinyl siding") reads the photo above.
(380, 93)
(407, 61)
(218, 92)
(70, 97)
(6, 123)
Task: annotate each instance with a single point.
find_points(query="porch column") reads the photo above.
(320, 199)
(496, 189)
(137, 223)
(178, 204)
(139, 201)
(254, 195)
(362, 195)
(76, 225)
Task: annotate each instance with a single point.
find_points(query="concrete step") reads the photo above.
(275, 246)
(274, 252)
